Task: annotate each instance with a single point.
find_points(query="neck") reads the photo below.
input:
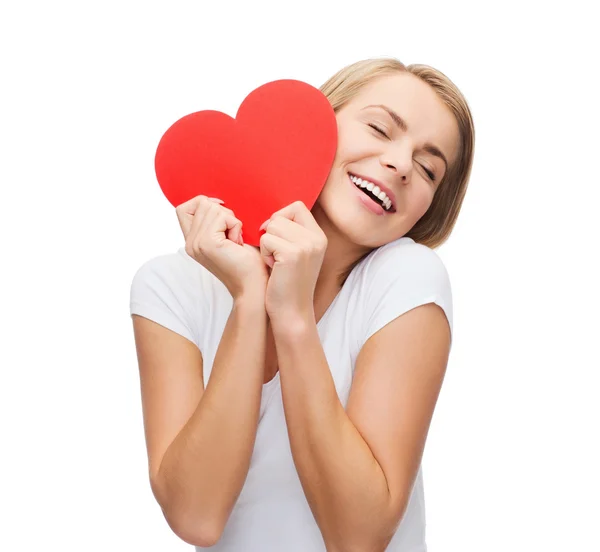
(339, 258)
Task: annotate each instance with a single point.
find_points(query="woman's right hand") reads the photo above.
(213, 237)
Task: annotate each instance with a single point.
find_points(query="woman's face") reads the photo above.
(387, 136)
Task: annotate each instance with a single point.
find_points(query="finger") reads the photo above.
(234, 232)
(210, 205)
(274, 249)
(186, 210)
(231, 227)
(203, 218)
(288, 230)
(222, 225)
(298, 212)
(189, 207)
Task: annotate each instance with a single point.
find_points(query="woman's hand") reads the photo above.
(294, 247)
(213, 237)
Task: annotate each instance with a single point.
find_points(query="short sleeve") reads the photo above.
(160, 291)
(399, 277)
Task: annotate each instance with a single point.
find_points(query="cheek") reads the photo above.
(352, 146)
(422, 201)
(342, 153)
(333, 181)
(360, 149)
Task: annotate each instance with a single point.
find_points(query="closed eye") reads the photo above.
(429, 173)
(376, 128)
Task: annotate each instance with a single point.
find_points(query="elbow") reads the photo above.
(379, 545)
(203, 540)
(370, 537)
(194, 532)
(191, 529)
(366, 544)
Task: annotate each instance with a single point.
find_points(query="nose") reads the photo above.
(398, 159)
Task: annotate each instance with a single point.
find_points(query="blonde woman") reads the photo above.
(288, 390)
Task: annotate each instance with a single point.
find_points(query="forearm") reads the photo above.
(343, 482)
(204, 469)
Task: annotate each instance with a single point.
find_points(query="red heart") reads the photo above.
(278, 149)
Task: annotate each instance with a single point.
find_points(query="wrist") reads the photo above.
(292, 325)
(250, 299)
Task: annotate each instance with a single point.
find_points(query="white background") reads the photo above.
(511, 461)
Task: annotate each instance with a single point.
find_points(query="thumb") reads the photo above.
(267, 250)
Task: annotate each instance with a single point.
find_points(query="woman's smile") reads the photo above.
(375, 190)
(366, 199)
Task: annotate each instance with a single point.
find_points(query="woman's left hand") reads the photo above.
(293, 246)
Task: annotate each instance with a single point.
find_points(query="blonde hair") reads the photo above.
(436, 225)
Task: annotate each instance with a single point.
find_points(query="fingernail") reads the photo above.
(216, 199)
(262, 226)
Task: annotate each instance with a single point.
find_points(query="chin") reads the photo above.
(354, 224)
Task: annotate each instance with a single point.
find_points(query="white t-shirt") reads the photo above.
(272, 513)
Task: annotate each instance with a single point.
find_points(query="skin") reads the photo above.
(396, 161)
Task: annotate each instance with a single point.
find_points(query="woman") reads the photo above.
(287, 390)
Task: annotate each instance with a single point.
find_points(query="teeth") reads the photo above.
(385, 200)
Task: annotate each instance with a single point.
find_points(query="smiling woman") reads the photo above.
(370, 88)
(287, 391)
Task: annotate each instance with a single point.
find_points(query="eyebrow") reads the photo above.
(400, 122)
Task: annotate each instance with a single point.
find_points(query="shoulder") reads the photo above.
(398, 277)
(172, 278)
(175, 291)
(170, 268)
(406, 261)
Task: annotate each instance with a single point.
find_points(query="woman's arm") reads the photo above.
(357, 466)
(203, 470)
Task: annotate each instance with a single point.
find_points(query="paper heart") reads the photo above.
(278, 149)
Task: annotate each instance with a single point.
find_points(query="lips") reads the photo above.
(381, 186)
